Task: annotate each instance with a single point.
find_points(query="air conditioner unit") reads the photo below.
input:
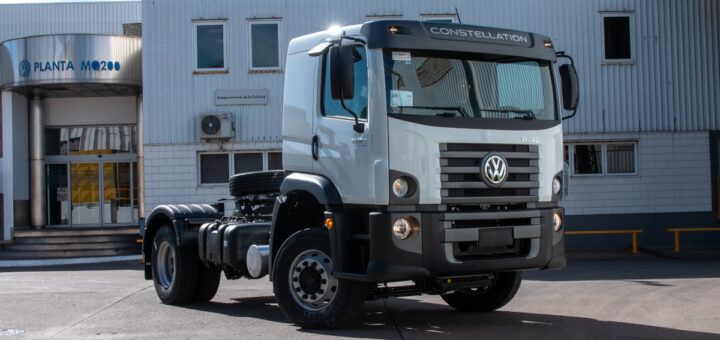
(216, 126)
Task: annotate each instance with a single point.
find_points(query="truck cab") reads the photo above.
(415, 152)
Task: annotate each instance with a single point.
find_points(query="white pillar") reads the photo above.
(38, 204)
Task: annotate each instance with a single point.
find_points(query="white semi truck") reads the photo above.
(424, 155)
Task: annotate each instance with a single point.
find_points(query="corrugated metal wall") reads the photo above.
(673, 84)
(94, 17)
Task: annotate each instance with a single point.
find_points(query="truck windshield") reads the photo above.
(473, 86)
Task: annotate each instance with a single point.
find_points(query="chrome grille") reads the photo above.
(460, 174)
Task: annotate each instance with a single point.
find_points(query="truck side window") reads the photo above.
(359, 103)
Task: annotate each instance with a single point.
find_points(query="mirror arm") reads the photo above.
(561, 54)
(357, 127)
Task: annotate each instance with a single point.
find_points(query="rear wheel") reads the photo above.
(174, 268)
(305, 286)
(208, 283)
(486, 299)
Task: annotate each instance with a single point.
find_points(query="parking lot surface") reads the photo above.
(626, 297)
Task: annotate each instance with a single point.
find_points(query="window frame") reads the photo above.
(231, 163)
(631, 26)
(214, 22)
(570, 147)
(255, 21)
(323, 66)
(428, 17)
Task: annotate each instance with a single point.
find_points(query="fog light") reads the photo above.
(400, 187)
(557, 222)
(403, 227)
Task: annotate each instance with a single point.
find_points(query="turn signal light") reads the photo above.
(329, 223)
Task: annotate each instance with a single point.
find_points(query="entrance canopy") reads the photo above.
(72, 65)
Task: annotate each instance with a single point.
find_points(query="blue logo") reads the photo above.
(24, 68)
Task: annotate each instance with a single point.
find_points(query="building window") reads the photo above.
(620, 158)
(383, 17)
(274, 160)
(358, 105)
(617, 37)
(264, 44)
(439, 18)
(210, 46)
(214, 168)
(602, 158)
(248, 162)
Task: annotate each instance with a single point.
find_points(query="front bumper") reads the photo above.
(437, 248)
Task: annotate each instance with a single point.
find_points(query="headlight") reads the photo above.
(556, 186)
(557, 222)
(403, 227)
(400, 187)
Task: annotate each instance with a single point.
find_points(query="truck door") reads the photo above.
(343, 155)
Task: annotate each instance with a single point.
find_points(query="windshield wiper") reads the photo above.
(459, 110)
(527, 114)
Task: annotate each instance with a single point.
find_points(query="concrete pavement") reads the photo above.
(629, 297)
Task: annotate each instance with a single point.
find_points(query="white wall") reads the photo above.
(89, 111)
(171, 173)
(673, 175)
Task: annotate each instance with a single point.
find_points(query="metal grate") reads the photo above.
(461, 181)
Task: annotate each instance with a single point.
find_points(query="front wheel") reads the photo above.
(305, 286)
(486, 299)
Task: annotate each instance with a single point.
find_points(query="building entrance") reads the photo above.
(91, 194)
(91, 176)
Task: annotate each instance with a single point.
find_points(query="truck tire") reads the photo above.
(260, 182)
(305, 288)
(485, 300)
(174, 268)
(208, 282)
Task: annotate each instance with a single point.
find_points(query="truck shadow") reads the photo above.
(407, 318)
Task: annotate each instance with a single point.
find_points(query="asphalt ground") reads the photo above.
(600, 295)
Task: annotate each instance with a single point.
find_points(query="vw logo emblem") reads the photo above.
(494, 169)
(24, 68)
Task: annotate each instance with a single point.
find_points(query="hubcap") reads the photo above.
(311, 280)
(165, 264)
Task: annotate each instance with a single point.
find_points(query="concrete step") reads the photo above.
(18, 255)
(72, 246)
(72, 232)
(76, 239)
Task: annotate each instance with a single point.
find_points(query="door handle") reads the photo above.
(315, 147)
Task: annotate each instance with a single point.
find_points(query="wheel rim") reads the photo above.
(311, 280)
(165, 264)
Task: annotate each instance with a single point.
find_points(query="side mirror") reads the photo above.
(570, 89)
(342, 72)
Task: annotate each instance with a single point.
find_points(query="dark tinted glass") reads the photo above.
(588, 159)
(275, 161)
(90, 140)
(210, 53)
(214, 168)
(617, 37)
(248, 162)
(265, 45)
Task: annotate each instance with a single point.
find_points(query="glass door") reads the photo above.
(119, 204)
(85, 193)
(58, 195)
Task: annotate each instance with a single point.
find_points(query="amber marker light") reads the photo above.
(548, 43)
(329, 223)
(393, 30)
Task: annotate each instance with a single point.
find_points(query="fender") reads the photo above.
(182, 218)
(316, 185)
